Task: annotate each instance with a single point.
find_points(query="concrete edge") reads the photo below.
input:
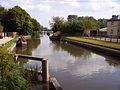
(111, 51)
(54, 84)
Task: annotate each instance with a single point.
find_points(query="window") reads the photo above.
(112, 23)
(118, 30)
(111, 31)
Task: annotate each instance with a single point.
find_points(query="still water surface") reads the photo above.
(76, 68)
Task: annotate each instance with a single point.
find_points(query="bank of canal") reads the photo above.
(76, 68)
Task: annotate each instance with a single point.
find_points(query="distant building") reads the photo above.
(90, 32)
(103, 32)
(113, 26)
(9, 34)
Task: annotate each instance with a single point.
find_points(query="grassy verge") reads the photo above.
(95, 42)
(7, 45)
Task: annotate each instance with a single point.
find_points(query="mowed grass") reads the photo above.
(95, 42)
(7, 45)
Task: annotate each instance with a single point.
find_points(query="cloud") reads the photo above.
(38, 7)
(44, 10)
(73, 3)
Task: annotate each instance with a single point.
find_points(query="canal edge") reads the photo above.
(106, 50)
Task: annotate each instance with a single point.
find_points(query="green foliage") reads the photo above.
(35, 34)
(15, 80)
(36, 25)
(72, 18)
(2, 13)
(74, 24)
(7, 45)
(5, 62)
(18, 20)
(96, 43)
(102, 23)
(88, 22)
(72, 27)
(56, 23)
(11, 76)
(1, 28)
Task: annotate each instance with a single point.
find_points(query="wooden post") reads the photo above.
(45, 71)
(105, 38)
(117, 39)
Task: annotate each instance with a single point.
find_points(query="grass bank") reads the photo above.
(95, 42)
(8, 44)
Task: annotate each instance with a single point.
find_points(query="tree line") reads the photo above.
(76, 24)
(18, 20)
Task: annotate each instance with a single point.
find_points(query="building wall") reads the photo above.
(87, 32)
(113, 28)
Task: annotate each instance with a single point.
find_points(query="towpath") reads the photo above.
(5, 40)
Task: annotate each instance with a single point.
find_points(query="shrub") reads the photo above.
(11, 76)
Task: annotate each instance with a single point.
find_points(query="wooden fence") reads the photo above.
(45, 70)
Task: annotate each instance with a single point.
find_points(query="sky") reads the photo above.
(44, 10)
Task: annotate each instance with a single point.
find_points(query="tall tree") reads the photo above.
(102, 23)
(72, 18)
(36, 25)
(89, 22)
(72, 27)
(1, 28)
(18, 20)
(3, 11)
(56, 23)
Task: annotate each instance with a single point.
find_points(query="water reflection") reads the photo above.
(27, 50)
(79, 68)
(71, 49)
(32, 44)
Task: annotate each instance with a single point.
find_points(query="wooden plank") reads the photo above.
(30, 57)
(45, 69)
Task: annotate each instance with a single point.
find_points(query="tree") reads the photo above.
(89, 22)
(18, 20)
(36, 25)
(102, 23)
(72, 18)
(3, 11)
(56, 23)
(27, 27)
(72, 27)
(1, 28)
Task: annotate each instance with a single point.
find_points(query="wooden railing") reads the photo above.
(45, 70)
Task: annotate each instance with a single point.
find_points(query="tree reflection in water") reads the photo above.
(83, 53)
(71, 49)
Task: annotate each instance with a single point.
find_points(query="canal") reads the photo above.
(75, 68)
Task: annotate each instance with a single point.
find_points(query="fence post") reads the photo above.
(117, 39)
(45, 70)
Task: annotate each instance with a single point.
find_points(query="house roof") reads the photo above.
(113, 20)
(103, 29)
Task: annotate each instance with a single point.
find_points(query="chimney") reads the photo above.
(115, 17)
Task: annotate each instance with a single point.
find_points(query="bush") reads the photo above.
(11, 76)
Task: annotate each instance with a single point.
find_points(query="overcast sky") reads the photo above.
(44, 10)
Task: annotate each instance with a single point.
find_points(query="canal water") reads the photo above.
(75, 68)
